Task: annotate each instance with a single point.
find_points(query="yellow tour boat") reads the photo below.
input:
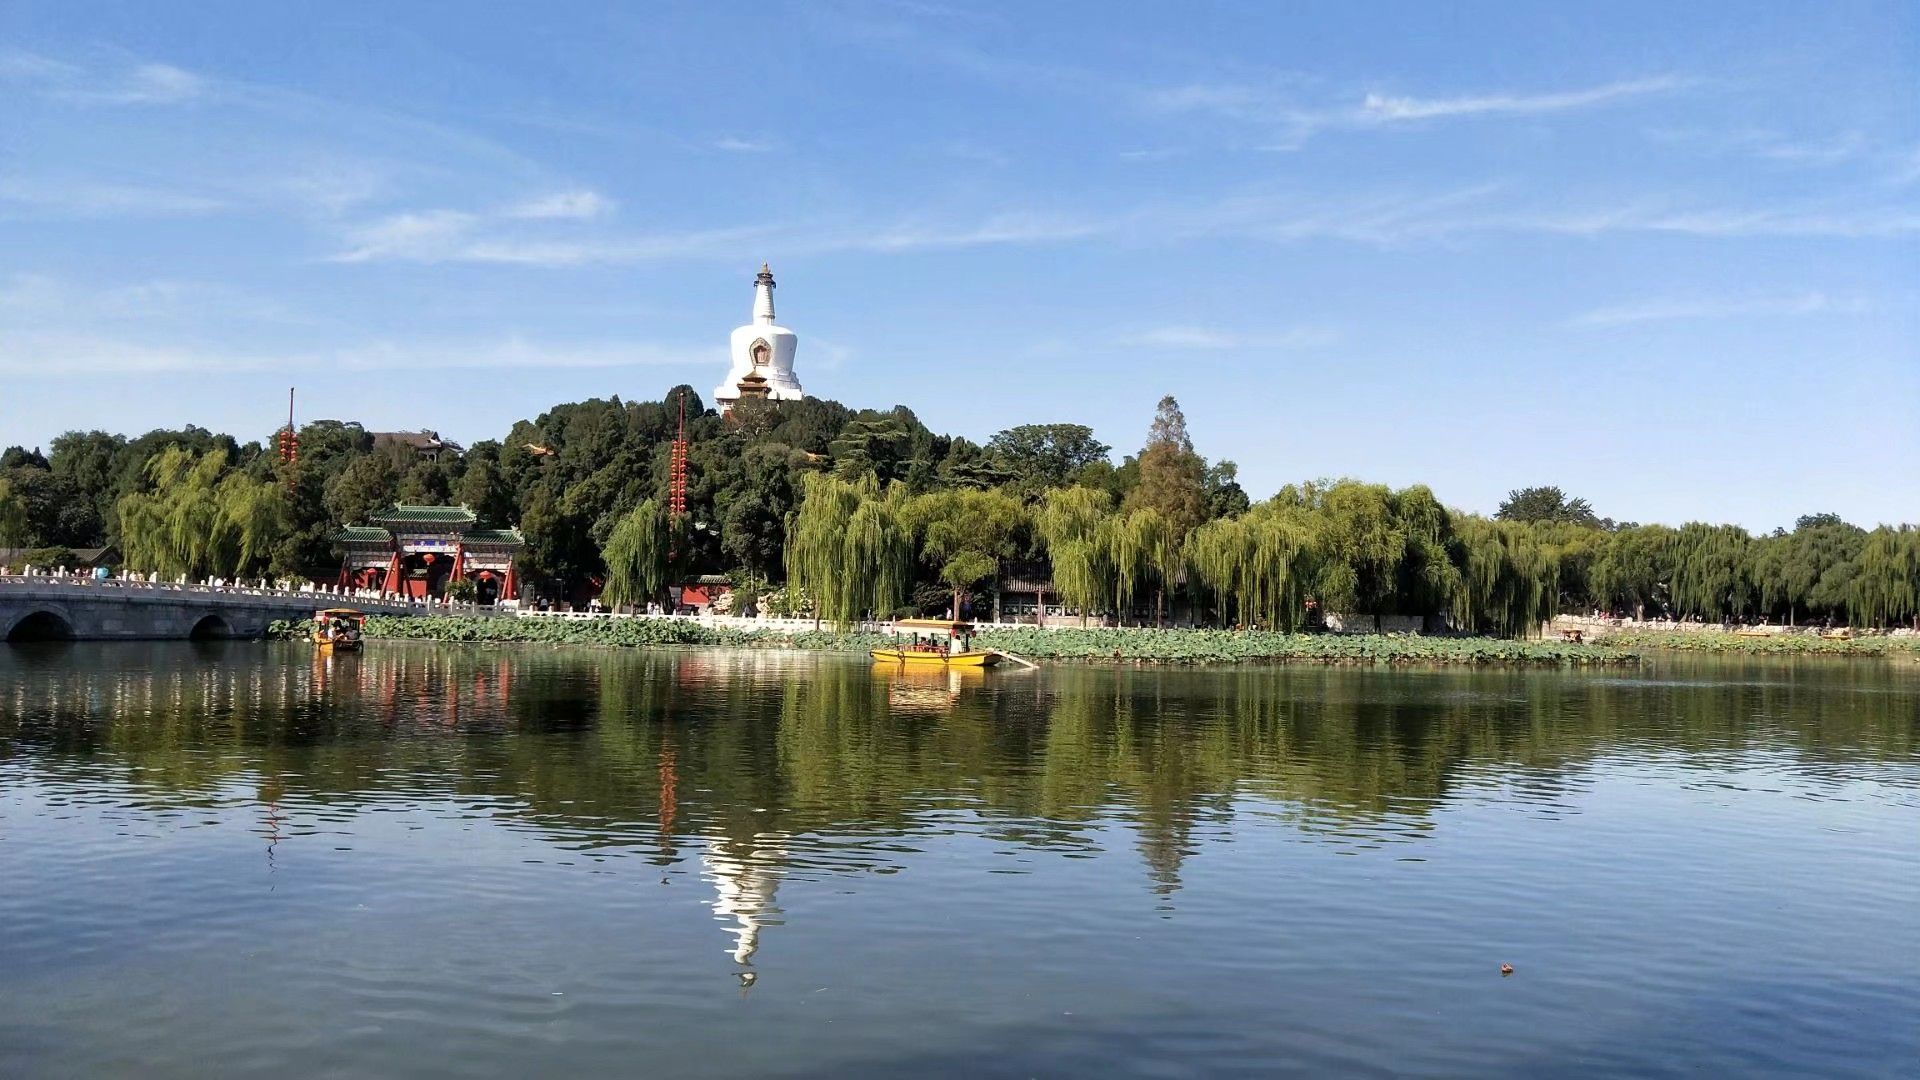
(337, 629)
(935, 643)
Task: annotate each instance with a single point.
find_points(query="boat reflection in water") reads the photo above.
(925, 689)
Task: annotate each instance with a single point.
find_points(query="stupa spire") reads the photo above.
(763, 297)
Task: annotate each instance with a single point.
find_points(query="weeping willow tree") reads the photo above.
(1365, 544)
(1144, 552)
(636, 557)
(1886, 579)
(194, 518)
(1509, 580)
(256, 515)
(1429, 580)
(849, 549)
(1713, 571)
(1634, 570)
(1074, 523)
(1260, 566)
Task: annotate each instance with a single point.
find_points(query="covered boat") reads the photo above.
(935, 642)
(338, 629)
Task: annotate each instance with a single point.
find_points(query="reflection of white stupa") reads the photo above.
(743, 887)
(761, 349)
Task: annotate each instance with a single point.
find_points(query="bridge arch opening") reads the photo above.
(210, 628)
(41, 626)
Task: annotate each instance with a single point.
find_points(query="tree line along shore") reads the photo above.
(814, 508)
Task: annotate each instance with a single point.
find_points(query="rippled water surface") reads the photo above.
(235, 859)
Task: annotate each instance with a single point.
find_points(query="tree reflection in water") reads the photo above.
(766, 765)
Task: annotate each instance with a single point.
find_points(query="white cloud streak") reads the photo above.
(62, 355)
(576, 205)
(1281, 109)
(1707, 308)
(141, 84)
(93, 200)
(1382, 219)
(1383, 108)
(1208, 339)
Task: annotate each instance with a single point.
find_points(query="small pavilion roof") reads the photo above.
(360, 534)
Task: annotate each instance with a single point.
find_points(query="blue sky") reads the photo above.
(1661, 255)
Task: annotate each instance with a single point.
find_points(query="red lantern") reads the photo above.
(429, 560)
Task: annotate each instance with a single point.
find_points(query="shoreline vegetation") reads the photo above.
(1109, 644)
(1131, 644)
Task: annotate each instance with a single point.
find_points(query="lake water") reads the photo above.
(238, 859)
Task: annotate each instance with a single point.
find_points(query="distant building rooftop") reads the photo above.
(422, 441)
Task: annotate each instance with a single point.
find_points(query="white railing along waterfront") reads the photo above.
(303, 593)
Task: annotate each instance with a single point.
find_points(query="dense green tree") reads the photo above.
(59, 513)
(1040, 457)
(483, 488)
(13, 516)
(89, 461)
(365, 487)
(965, 535)
(1545, 504)
(1225, 496)
(19, 457)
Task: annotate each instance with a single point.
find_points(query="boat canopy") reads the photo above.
(342, 612)
(934, 626)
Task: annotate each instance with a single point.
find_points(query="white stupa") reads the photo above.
(762, 354)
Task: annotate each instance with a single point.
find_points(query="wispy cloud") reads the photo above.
(138, 84)
(566, 205)
(61, 355)
(1768, 145)
(1702, 308)
(86, 200)
(1384, 218)
(735, 145)
(1207, 338)
(33, 303)
(441, 235)
(1283, 109)
(423, 236)
(1385, 108)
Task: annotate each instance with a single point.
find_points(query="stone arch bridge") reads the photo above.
(40, 608)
